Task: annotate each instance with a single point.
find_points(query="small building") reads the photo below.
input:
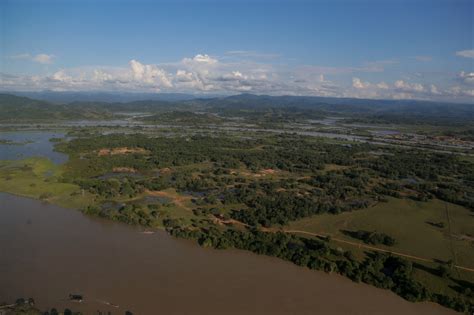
(75, 297)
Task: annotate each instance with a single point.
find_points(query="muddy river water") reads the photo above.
(47, 252)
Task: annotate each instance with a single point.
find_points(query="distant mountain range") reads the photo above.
(68, 97)
(286, 100)
(104, 105)
(17, 109)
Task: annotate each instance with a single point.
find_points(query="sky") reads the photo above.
(387, 49)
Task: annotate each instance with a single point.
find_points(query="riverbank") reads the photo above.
(189, 191)
(113, 262)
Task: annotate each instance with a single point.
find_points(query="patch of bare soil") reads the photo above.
(121, 150)
(175, 198)
(124, 170)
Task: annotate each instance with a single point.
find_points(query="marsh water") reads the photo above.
(29, 144)
(48, 253)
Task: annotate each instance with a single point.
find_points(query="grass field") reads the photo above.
(39, 178)
(180, 206)
(407, 221)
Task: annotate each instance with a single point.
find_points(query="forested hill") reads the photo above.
(64, 97)
(148, 106)
(365, 110)
(15, 108)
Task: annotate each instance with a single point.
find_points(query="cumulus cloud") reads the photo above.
(204, 73)
(362, 85)
(465, 53)
(184, 76)
(102, 76)
(469, 92)
(61, 76)
(149, 74)
(466, 77)
(232, 76)
(382, 85)
(402, 89)
(200, 60)
(43, 58)
(434, 90)
(409, 87)
(359, 84)
(458, 91)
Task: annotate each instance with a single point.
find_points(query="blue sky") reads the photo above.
(375, 49)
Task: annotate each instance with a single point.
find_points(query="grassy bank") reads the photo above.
(420, 229)
(40, 178)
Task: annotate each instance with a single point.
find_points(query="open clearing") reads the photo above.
(408, 222)
(177, 199)
(122, 150)
(39, 178)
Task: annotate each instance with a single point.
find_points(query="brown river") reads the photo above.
(47, 252)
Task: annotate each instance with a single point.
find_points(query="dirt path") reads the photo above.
(7, 306)
(175, 198)
(356, 244)
(229, 221)
(359, 245)
(450, 235)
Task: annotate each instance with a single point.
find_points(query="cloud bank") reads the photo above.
(204, 73)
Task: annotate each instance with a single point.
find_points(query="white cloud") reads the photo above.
(40, 58)
(401, 96)
(43, 58)
(469, 92)
(402, 89)
(200, 60)
(237, 74)
(61, 76)
(232, 76)
(359, 84)
(382, 85)
(209, 74)
(434, 90)
(184, 76)
(466, 77)
(149, 74)
(459, 91)
(409, 87)
(21, 56)
(102, 76)
(465, 53)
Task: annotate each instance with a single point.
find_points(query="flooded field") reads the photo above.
(26, 144)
